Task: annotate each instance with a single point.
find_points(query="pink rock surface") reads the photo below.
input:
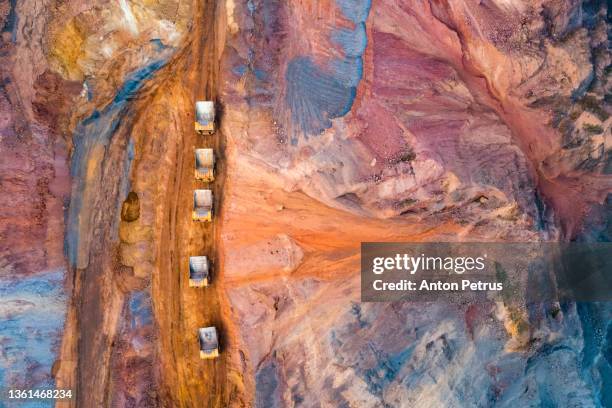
(458, 115)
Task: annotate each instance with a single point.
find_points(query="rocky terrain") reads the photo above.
(340, 122)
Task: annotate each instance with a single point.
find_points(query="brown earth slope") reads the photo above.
(156, 363)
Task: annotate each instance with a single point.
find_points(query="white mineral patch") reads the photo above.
(129, 19)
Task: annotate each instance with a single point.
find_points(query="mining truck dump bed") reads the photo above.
(209, 343)
(205, 117)
(204, 164)
(202, 205)
(199, 271)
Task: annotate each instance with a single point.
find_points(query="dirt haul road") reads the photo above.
(164, 368)
(196, 382)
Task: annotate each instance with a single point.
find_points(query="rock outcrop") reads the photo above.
(404, 121)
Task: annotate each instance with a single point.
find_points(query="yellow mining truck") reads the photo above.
(209, 343)
(204, 165)
(199, 272)
(202, 205)
(205, 117)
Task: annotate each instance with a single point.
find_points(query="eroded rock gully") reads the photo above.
(340, 122)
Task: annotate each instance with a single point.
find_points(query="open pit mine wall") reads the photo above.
(353, 121)
(77, 79)
(346, 121)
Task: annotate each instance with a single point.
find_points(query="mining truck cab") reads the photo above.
(205, 117)
(202, 205)
(204, 165)
(209, 343)
(199, 272)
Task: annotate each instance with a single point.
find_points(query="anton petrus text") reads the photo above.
(411, 264)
